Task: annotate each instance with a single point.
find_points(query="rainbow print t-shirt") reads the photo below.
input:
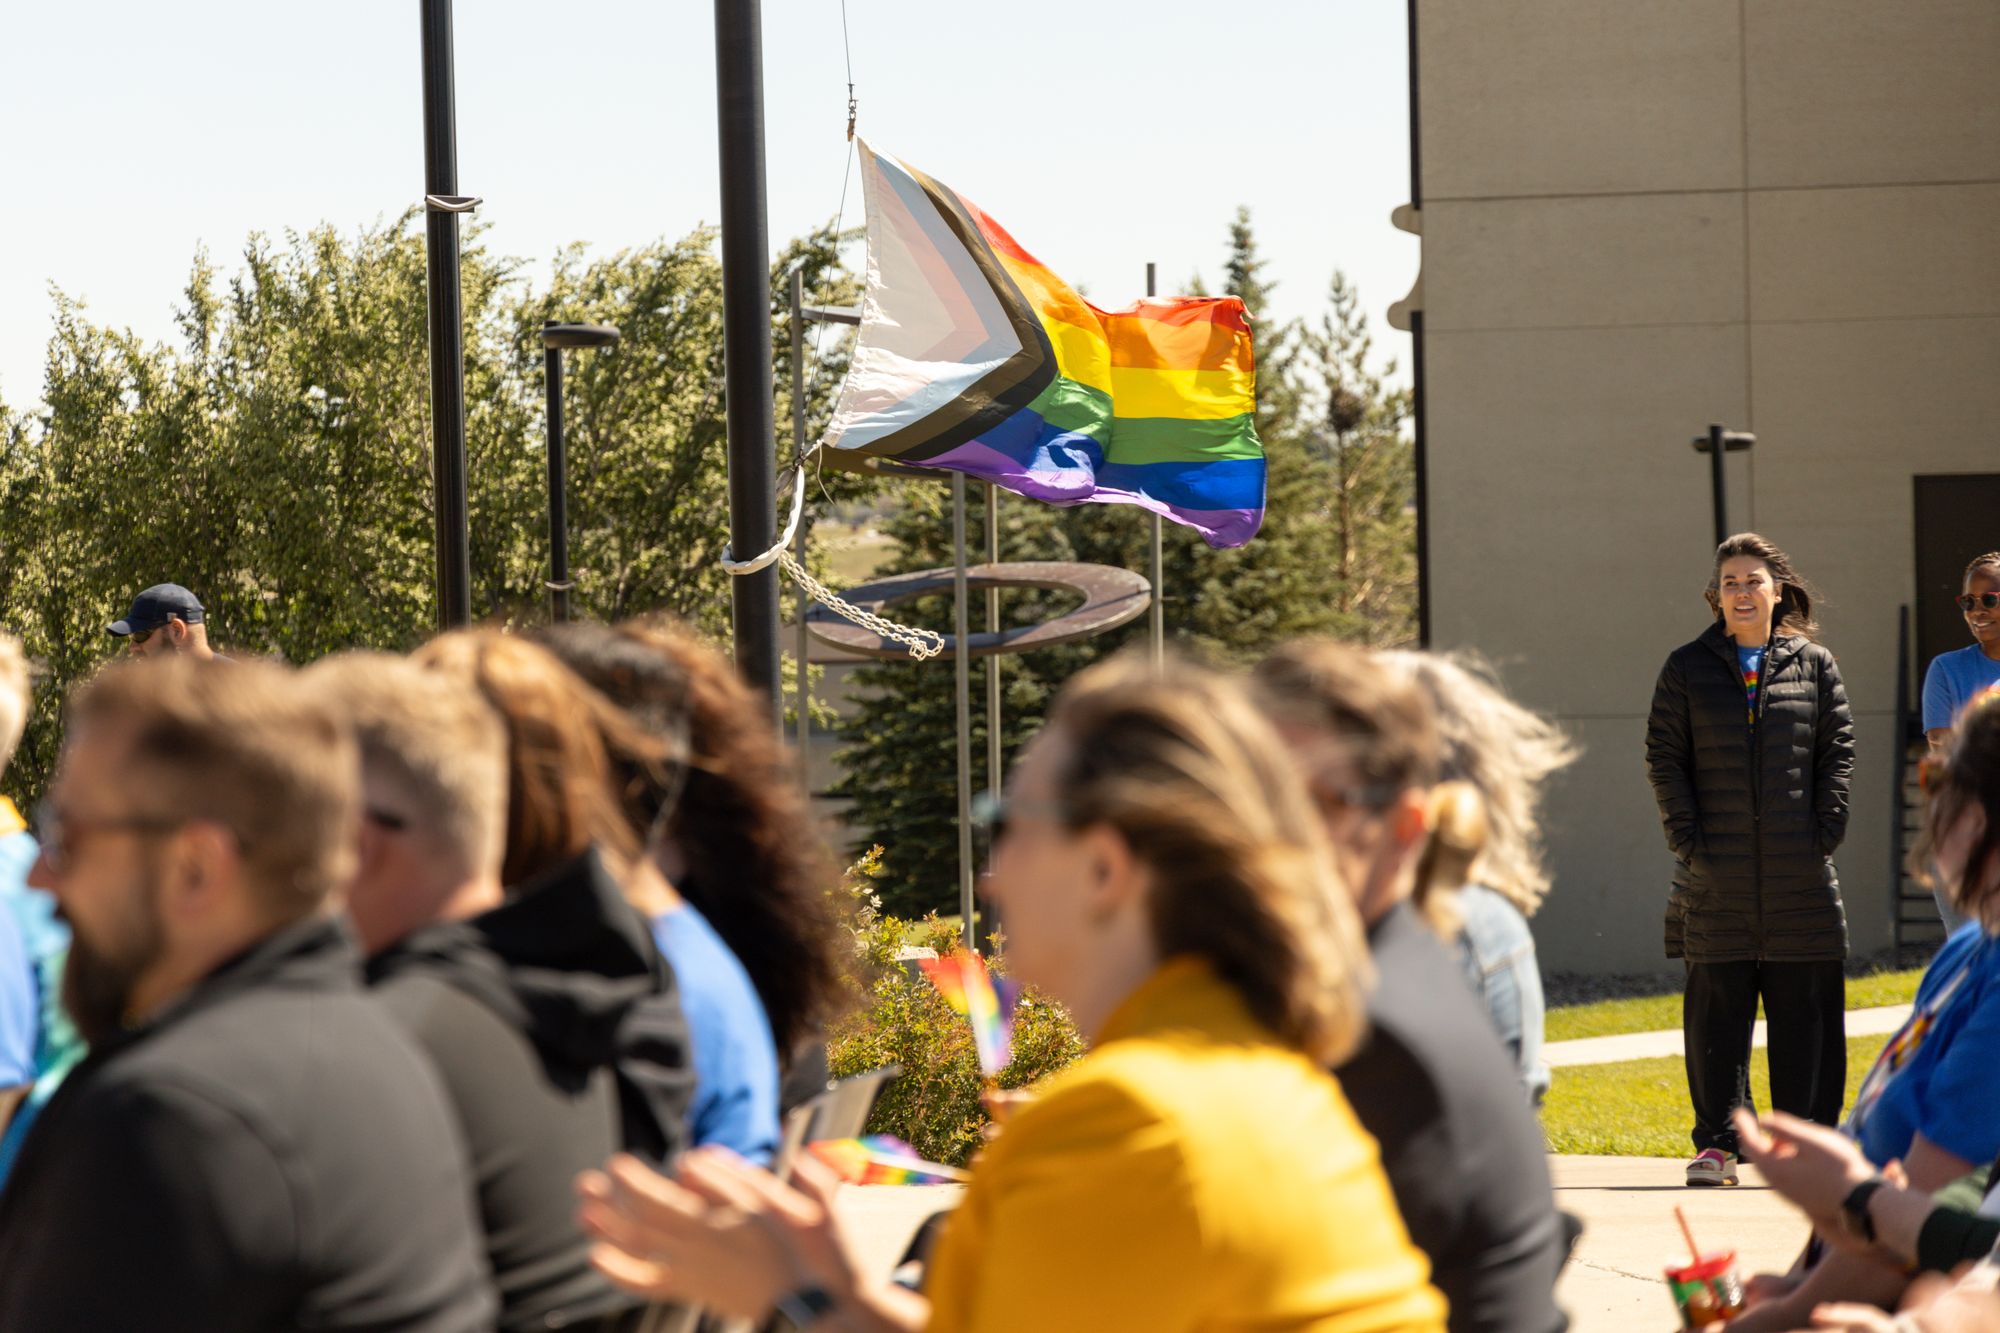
(1751, 660)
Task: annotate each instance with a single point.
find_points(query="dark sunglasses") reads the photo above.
(140, 635)
(1986, 601)
(992, 811)
(60, 836)
(385, 819)
(1373, 798)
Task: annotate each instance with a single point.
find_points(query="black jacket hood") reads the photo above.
(568, 962)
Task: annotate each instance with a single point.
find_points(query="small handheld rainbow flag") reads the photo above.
(985, 1000)
(882, 1159)
(974, 357)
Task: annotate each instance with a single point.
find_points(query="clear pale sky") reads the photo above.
(1102, 133)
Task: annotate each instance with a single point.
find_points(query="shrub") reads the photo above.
(899, 1018)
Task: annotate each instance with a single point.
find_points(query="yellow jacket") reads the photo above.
(1191, 1173)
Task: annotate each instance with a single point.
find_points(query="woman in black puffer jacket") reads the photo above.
(1750, 747)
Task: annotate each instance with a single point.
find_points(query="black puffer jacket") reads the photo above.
(1752, 812)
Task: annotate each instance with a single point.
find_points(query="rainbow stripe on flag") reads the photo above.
(882, 1159)
(973, 357)
(985, 1000)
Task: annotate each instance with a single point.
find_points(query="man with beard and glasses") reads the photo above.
(251, 1144)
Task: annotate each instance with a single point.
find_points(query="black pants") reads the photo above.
(1805, 1008)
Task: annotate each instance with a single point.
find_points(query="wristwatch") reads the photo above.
(804, 1306)
(1854, 1218)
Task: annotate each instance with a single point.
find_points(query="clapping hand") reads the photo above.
(721, 1233)
(1813, 1167)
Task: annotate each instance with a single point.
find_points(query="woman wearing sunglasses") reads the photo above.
(1164, 876)
(1750, 747)
(1954, 677)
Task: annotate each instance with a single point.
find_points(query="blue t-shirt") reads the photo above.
(1940, 1075)
(1952, 680)
(735, 1057)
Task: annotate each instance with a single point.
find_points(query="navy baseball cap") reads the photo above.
(153, 607)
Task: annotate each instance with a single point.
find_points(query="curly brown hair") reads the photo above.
(731, 803)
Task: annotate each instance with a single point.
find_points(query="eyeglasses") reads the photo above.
(140, 635)
(1986, 601)
(993, 812)
(1373, 798)
(59, 835)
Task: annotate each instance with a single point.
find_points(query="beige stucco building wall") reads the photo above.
(1781, 215)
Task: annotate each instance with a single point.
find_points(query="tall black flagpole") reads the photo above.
(746, 337)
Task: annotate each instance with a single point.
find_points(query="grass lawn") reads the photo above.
(1659, 1013)
(1639, 1108)
(853, 555)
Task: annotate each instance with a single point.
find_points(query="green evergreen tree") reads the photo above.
(1355, 424)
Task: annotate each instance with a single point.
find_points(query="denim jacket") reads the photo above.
(1498, 955)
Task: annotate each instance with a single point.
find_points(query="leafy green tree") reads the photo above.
(276, 457)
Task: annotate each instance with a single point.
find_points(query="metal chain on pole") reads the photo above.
(922, 644)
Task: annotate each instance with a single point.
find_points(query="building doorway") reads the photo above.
(1957, 518)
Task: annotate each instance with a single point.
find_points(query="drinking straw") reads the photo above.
(1688, 1232)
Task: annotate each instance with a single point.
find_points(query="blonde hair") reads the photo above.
(1506, 753)
(15, 697)
(1365, 736)
(1196, 780)
(441, 747)
(245, 745)
(561, 737)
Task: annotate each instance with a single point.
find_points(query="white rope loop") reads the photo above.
(758, 563)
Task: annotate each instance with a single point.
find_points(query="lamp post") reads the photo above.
(555, 337)
(1715, 444)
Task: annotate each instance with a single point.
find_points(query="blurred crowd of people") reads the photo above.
(467, 989)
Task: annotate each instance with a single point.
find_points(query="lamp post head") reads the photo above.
(556, 333)
(1733, 441)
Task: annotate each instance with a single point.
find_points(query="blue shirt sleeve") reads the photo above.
(735, 1057)
(20, 1004)
(1964, 1084)
(1939, 705)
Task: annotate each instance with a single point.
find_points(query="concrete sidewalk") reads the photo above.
(1614, 1283)
(1652, 1045)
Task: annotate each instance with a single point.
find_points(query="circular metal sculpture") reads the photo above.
(1111, 596)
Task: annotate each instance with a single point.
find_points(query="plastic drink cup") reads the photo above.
(1707, 1293)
